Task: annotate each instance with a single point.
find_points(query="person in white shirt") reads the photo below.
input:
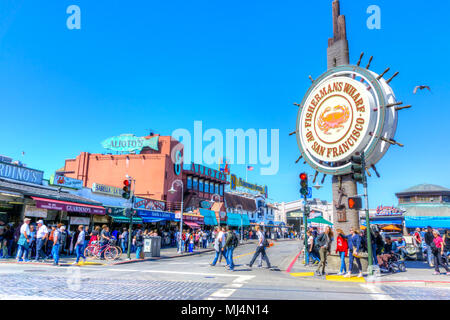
(260, 249)
(41, 240)
(79, 244)
(24, 240)
(219, 244)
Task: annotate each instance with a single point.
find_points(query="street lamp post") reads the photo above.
(172, 191)
(242, 225)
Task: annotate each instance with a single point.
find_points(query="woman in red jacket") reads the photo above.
(342, 249)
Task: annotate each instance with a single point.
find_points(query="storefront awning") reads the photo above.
(210, 217)
(235, 220)
(423, 222)
(193, 225)
(52, 204)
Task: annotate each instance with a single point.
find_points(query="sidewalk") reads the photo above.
(417, 272)
(165, 253)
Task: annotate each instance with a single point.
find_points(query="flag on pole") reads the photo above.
(250, 168)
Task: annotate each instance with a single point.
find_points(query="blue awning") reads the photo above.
(423, 222)
(234, 220)
(210, 217)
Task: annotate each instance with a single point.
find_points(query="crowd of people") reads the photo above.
(352, 245)
(225, 241)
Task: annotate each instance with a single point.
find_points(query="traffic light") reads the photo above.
(307, 211)
(304, 184)
(126, 189)
(354, 203)
(358, 168)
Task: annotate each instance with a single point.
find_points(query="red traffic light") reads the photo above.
(303, 176)
(126, 182)
(354, 203)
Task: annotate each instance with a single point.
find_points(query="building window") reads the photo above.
(221, 190)
(207, 186)
(446, 198)
(216, 189)
(200, 185)
(189, 183)
(195, 184)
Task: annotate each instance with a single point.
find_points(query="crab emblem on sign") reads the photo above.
(335, 119)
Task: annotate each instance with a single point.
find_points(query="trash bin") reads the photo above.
(152, 247)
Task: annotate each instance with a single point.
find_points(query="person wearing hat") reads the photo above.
(24, 241)
(41, 240)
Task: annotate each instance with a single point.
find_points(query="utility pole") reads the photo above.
(369, 236)
(130, 228)
(359, 175)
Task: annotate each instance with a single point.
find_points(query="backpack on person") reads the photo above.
(234, 240)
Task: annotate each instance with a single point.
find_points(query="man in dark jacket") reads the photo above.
(231, 242)
(324, 243)
(429, 240)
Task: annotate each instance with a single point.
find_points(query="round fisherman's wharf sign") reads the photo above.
(344, 112)
(336, 119)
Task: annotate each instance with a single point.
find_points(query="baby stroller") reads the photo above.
(395, 264)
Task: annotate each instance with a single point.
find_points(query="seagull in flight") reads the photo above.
(421, 88)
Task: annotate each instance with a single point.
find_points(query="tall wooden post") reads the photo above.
(343, 186)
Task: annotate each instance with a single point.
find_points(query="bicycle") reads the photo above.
(95, 250)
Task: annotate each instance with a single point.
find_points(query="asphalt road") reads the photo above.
(192, 278)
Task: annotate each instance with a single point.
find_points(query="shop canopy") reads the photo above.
(320, 220)
(51, 204)
(210, 217)
(235, 220)
(432, 221)
(391, 228)
(193, 225)
(118, 215)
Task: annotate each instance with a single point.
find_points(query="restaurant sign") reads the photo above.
(149, 204)
(104, 189)
(62, 181)
(14, 172)
(130, 143)
(210, 173)
(388, 211)
(69, 207)
(238, 182)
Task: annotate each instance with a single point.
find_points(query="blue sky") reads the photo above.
(137, 65)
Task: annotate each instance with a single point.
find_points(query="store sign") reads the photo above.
(157, 214)
(210, 173)
(79, 221)
(388, 211)
(149, 204)
(344, 113)
(62, 181)
(49, 205)
(194, 218)
(104, 189)
(14, 172)
(130, 143)
(31, 211)
(238, 182)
